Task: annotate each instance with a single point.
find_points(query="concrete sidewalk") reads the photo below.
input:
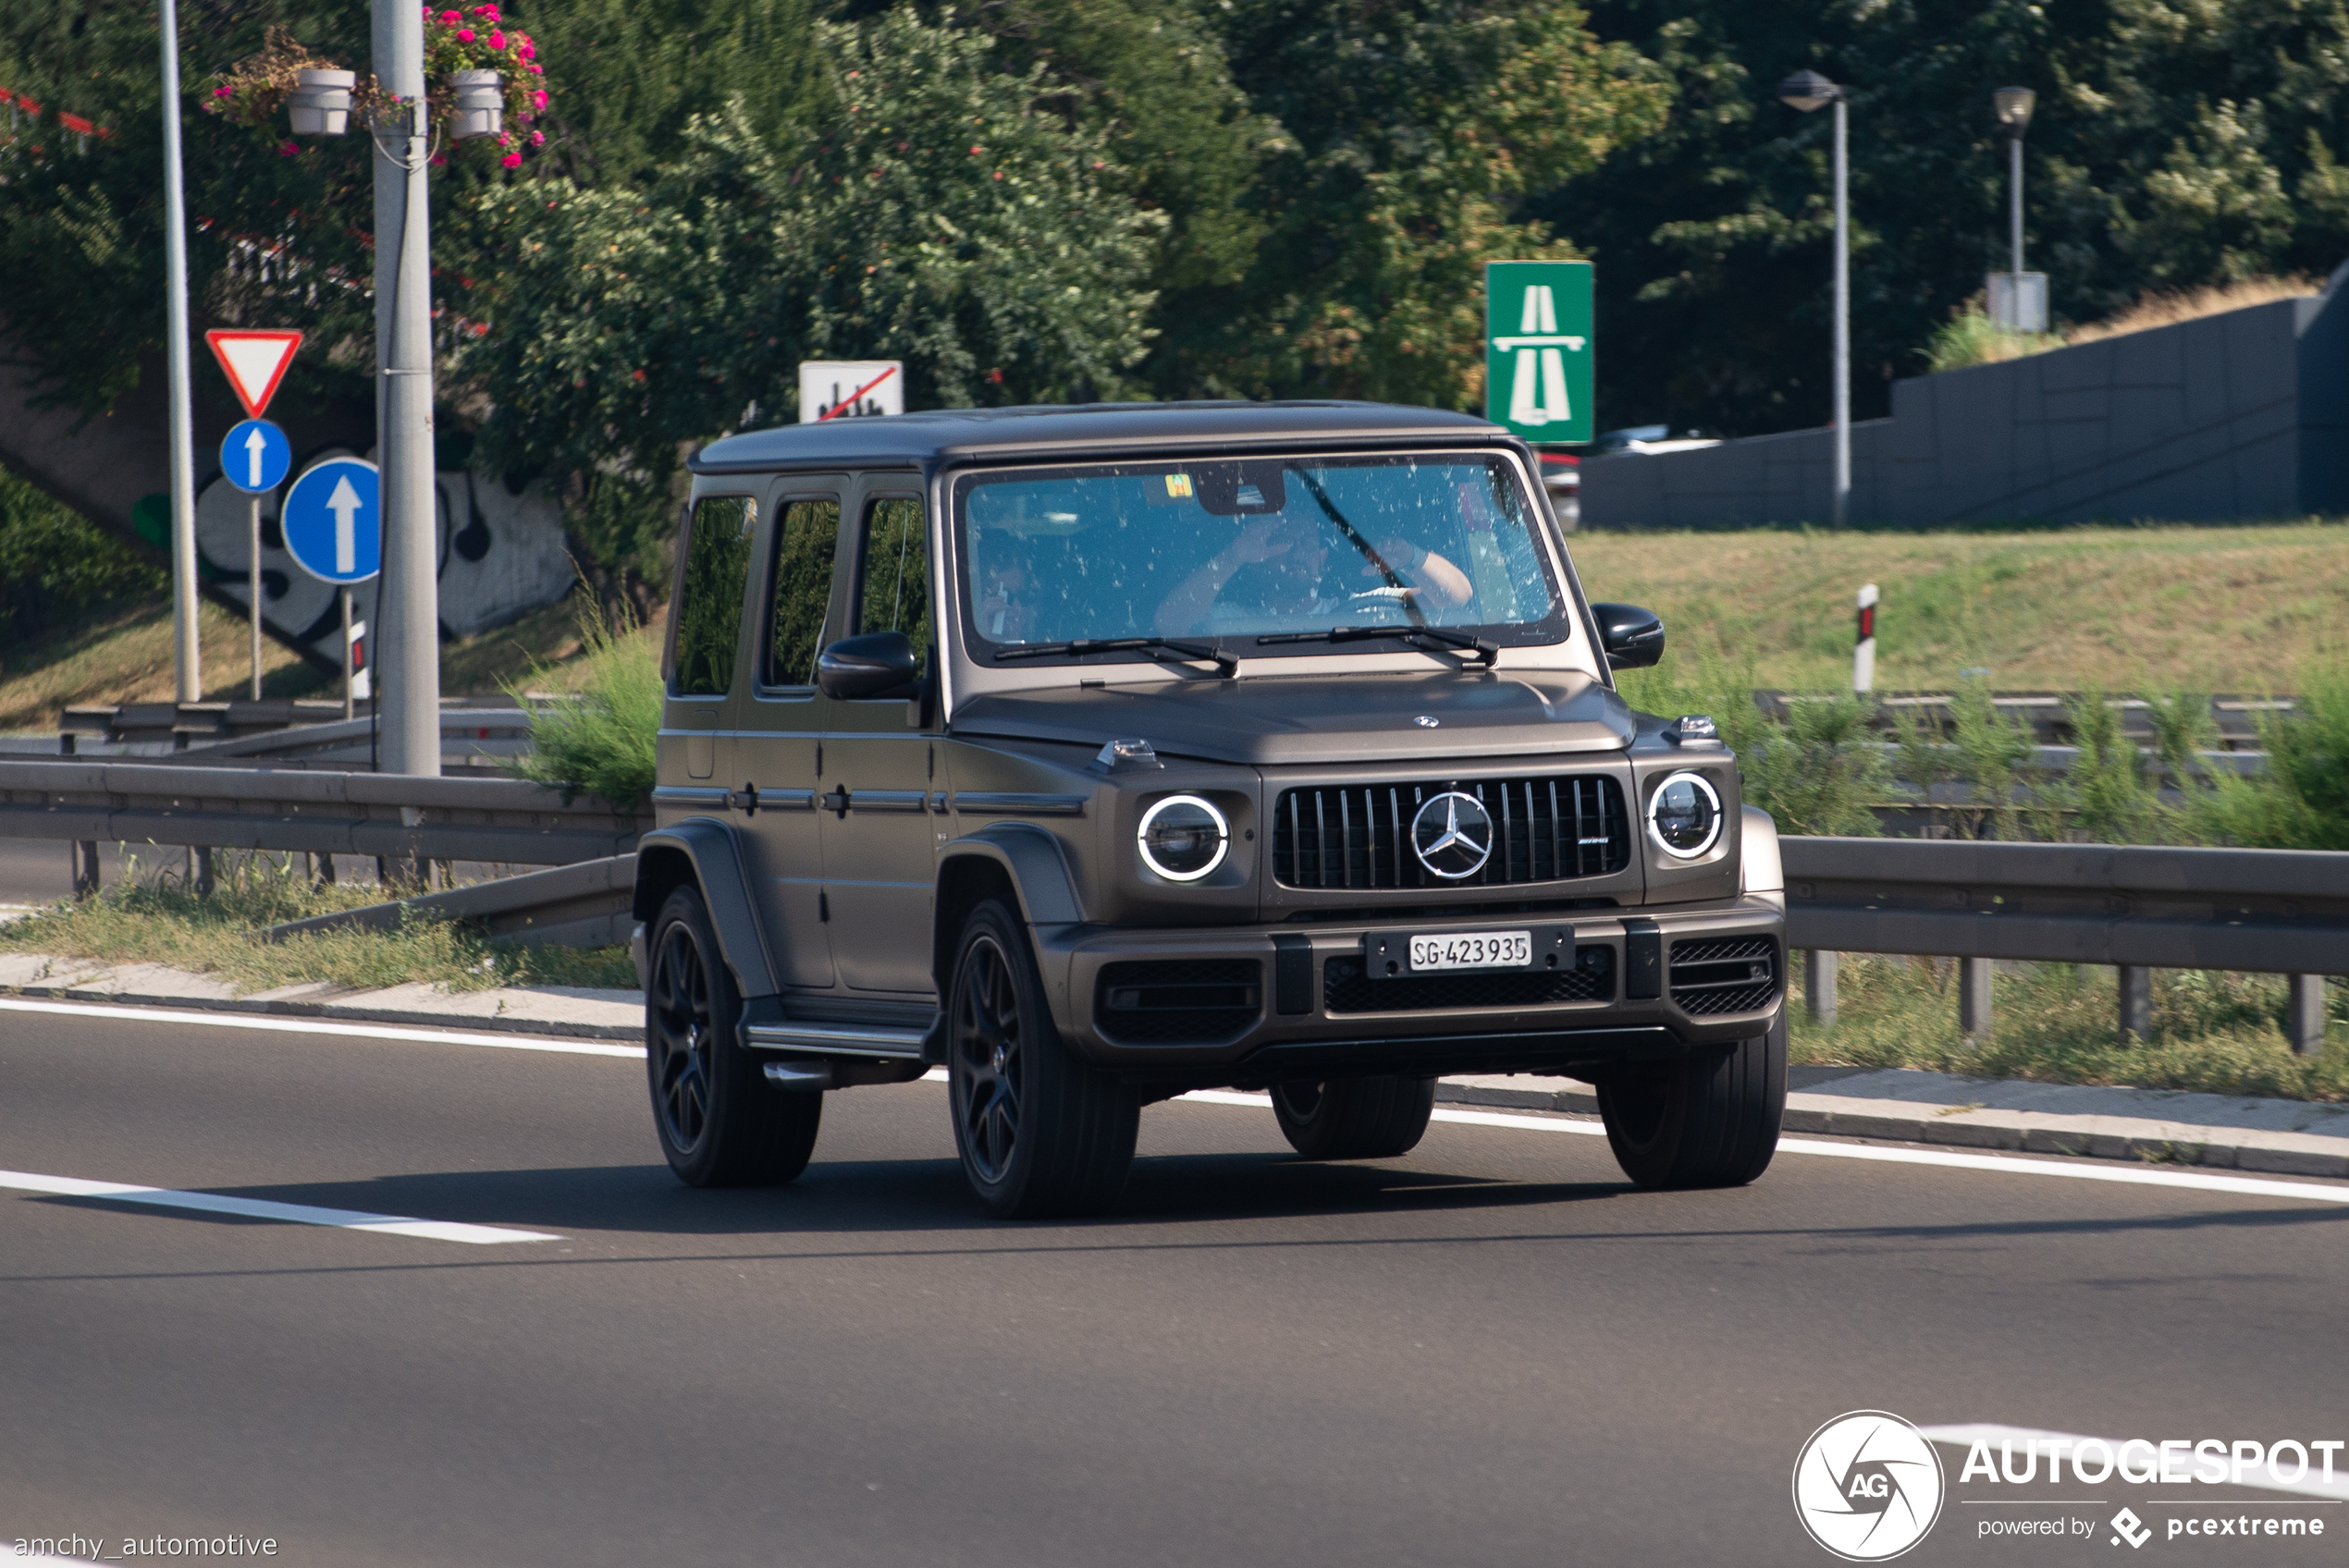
(2291, 1137)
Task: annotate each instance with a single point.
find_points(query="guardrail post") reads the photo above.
(2303, 1015)
(85, 868)
(2136, 1003)
(1973, 1000)
(1818, 985)
(200, 864)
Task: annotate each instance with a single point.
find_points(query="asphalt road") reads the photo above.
(1490, 1351)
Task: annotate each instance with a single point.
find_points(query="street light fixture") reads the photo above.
(1808, 91)
(2024, 308)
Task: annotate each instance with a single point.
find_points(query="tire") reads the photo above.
(1708, 1120)
(1040, 1131)
(719, 1124)
(1355, 1118)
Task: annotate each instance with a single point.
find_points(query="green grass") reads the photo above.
(2123, 608)
(151, 916)
(602, 741)
(2213, 1033)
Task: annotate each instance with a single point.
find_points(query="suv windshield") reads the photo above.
(1231, 553)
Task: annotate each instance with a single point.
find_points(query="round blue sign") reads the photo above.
(333, 521)
(255, 456)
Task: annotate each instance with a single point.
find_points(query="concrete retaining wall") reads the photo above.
(2240, 415)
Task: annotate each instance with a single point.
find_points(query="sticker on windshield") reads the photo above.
(1179, 486)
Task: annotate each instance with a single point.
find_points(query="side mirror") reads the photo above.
(1632, 637)
(877, 664)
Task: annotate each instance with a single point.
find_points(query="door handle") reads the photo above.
(744, 800)
(836, 800)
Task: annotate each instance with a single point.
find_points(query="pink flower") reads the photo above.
(538, 71)
(504, 139)
(222, 91)
(528, 49)
(450, 18)
(489, 11)
(289, 149)
(440, 160)
(496, 41)
(465, 35)
(538, 99)
(538, 139)
(511, 160)
(974, 152)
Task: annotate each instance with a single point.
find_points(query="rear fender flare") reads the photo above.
(708, 855)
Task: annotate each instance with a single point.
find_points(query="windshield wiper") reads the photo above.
(1226, 665)
(1489, 653)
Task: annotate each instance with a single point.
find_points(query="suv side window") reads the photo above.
(892, 591)
(709, 595)
(806, 536)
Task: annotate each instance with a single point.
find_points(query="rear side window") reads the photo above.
(805, 539)
(709, 595)
(893, 594)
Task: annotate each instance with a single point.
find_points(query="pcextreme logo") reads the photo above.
(1867, 1486)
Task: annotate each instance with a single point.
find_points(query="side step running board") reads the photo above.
(836, 1039)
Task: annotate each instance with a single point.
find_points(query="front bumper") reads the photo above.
(1257, 1004)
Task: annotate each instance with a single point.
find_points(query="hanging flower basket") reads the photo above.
(320, 102)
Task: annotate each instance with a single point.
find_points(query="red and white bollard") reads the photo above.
(1863, 656)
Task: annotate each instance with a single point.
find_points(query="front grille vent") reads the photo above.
(1345, 988)
(1178, 1001)
(1724, 974)
(1359, 835)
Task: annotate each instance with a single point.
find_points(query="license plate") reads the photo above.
(1473, 949)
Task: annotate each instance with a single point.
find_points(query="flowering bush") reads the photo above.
(253, 91)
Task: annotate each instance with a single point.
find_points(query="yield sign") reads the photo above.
(255, 361)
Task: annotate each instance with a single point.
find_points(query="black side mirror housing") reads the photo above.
(1632, 637)
(875, 663)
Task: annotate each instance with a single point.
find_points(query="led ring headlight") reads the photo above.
(1684, 816)
(1183, 837)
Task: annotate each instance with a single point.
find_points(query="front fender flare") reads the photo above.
(711, 856)
(1032, 859)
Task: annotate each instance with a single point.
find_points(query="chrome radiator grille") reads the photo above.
(1359, 835)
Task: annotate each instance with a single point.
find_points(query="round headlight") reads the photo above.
(1183, 838)
(1684, 816)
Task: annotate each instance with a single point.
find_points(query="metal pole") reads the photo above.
(187, 659)
(1973, 1000)
(253, 578)
(407, 618)
(348, 708)
(1842, 322)
(2014, 214)
(1818, 985)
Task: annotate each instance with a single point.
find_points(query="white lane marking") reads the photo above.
(2244, 1185)
(258, 1208)
(321, 1026)
(2248, 1187)
(2309, 1484)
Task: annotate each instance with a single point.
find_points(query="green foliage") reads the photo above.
(152, 915)
(54, 566)
(1971, 337)
(2106, 790)
(2173, 146)
(602, 741)
(2213, 1033)
(2302, 800)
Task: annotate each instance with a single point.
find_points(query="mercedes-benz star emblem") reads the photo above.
(1453, 836)
(1427, 721)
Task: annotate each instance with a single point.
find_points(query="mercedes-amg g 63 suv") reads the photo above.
(1099, 755)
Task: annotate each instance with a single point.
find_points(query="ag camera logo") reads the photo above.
(1868, 1486)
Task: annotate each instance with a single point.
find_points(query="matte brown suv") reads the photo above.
(1098, 755)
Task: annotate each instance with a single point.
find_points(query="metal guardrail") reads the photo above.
(588, 905)
(2135, 907)
(500, 820)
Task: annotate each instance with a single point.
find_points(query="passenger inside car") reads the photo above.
(1279, 567)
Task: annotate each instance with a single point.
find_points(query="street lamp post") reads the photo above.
(1807, 91)
(2013, 106)
(185, 645)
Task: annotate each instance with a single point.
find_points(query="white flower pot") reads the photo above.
(320, 102)
(480, 109)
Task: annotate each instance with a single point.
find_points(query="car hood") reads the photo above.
(1270, 720)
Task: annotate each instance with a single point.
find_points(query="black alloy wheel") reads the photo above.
(721, 1124)
(1040, 1131)
(1355, 1118)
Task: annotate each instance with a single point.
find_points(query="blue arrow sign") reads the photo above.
(255, 456)
(333, 521)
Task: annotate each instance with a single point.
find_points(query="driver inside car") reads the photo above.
(1277, 569)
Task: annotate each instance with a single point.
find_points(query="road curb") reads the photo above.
(259, 1007)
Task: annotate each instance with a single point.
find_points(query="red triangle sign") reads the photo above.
(255, 361)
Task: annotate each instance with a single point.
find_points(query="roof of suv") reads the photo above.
(917, 440)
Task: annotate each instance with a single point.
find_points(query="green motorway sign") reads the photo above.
(1537, 349)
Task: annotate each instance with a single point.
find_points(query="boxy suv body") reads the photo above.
(1098, 755)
